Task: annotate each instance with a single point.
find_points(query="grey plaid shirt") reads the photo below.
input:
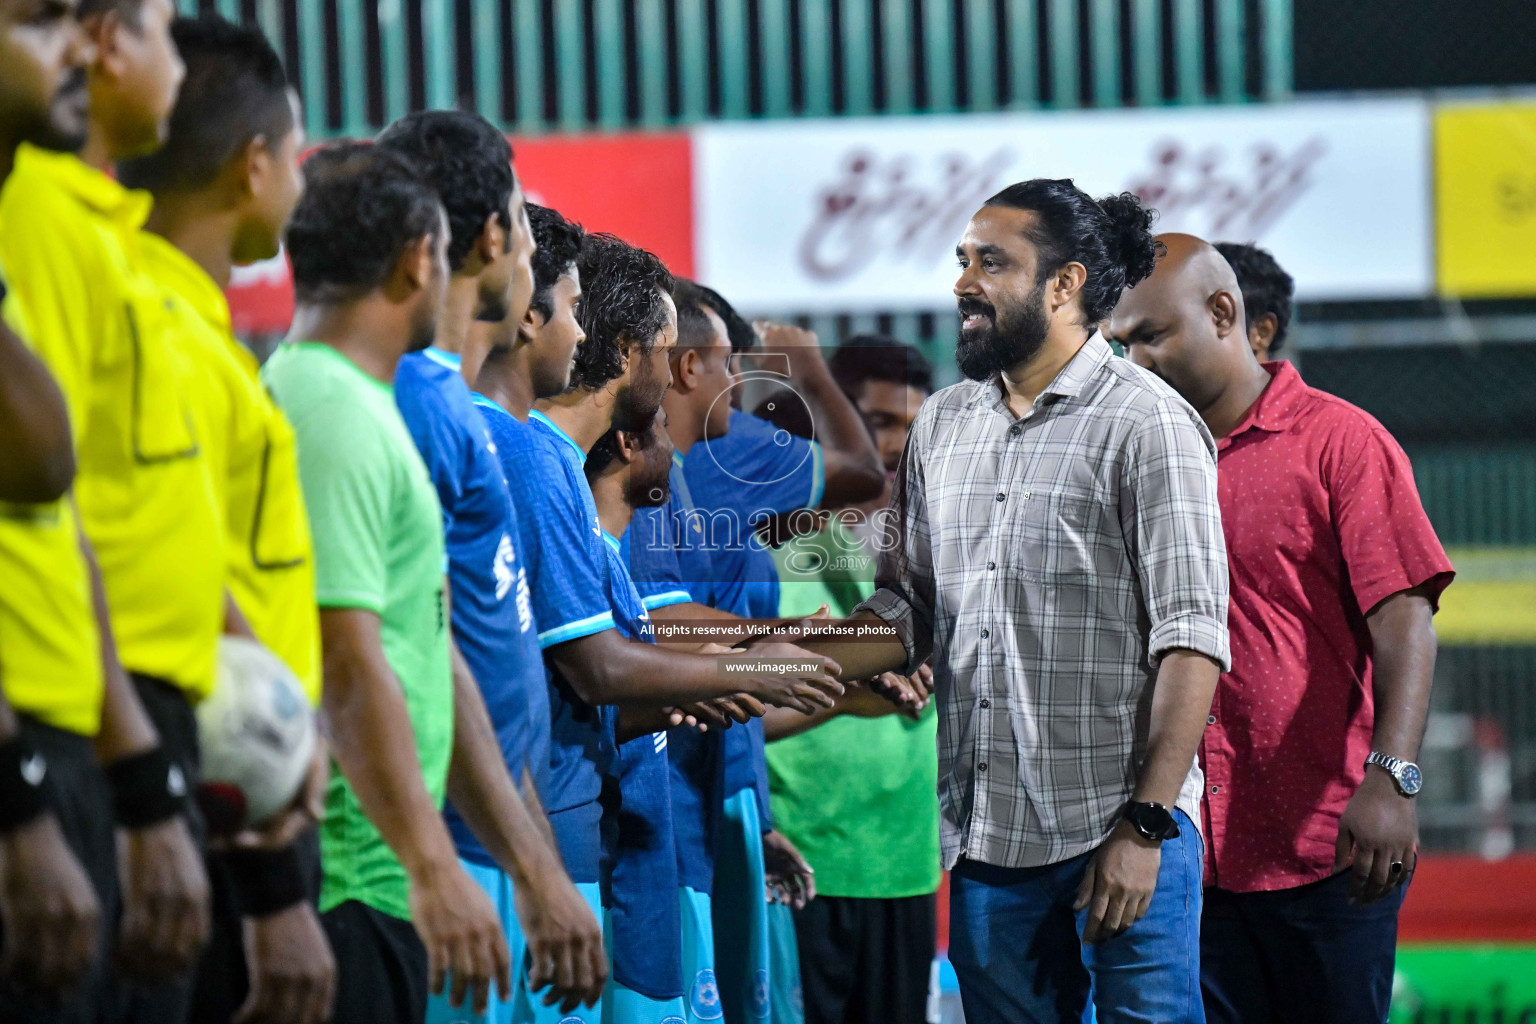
(1048, 563)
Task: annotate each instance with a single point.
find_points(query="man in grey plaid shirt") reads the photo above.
(1058, 549)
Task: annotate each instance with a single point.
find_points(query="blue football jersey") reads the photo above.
(644, 913)
(492, 619)
(567, 573)
(751, 473)
(649, 550)
(650, 553)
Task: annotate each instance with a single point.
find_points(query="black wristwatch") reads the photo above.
(1152, 820)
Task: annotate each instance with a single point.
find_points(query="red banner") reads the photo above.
(637, 186)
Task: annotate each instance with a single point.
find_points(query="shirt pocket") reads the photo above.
(1052, 536)
(160, 421)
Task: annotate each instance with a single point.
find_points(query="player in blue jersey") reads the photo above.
(532, 357)
(740, 471)
(469, 163)
(620, 376)
(627, 470)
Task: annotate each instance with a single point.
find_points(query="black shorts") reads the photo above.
(220, 984)
(866, 961)
(381, 966)
(83, 806)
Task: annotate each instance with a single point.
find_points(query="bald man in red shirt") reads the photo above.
(1309, 748)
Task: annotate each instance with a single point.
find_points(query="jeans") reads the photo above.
(1299, 954)
(1016, 944)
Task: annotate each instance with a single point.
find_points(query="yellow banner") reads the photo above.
(1492, 601)
(1485, 200)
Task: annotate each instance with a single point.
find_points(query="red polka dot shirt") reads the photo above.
(1322, 522)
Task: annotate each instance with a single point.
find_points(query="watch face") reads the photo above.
(1409, 778)
(1153, 822)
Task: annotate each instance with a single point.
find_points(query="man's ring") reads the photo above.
(1397, 867)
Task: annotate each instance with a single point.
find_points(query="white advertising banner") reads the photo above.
(863, 214)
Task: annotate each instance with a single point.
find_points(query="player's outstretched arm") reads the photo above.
(863, 656)
(37, 461)
(565, 942)
(607, 668)
(860, 700)
(373, 743)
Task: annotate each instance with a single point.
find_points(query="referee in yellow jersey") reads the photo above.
(224, 184)
(54, 815)
(69, 241)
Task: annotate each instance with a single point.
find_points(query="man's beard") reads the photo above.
(637, 403)
(641, 492)
(1006, 341)
(495, 304)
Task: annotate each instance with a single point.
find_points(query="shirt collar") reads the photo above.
(1279, 405)
(562, 435)
(1069, 383)
(442, 357)
(129, 208)
(1069, 380)
(613, 541)
(489, 403)
(180, 274)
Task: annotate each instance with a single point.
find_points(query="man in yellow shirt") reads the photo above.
(52, 795)
(68, 240)
(224, 184)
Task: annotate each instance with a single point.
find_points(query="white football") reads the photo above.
(257, 734)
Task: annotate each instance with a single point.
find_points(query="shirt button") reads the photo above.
(1215, 789)
(1014, 430)
(982, 767)
(985, 703)
(1025, 495)
(1211, 720)
(991, 565)
(1001, 496)
(985, 634)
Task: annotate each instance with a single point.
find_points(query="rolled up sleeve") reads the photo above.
(1172, 522)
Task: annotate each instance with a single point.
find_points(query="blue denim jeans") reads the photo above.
(1016, 945)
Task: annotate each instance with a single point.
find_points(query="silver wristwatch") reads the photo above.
(1405, 773)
